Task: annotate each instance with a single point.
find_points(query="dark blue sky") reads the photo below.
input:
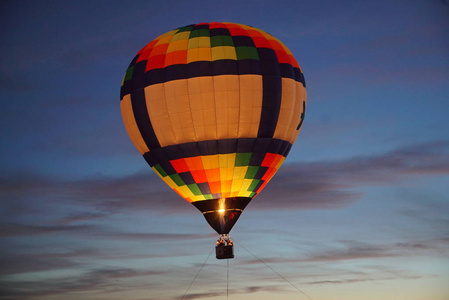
(358, 210)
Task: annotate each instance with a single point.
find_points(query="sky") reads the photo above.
(359, 210)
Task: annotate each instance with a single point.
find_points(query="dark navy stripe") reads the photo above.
(187, 177)
(258, 146)
(219, 31)
(205, 68)
(260, 173)
(271, 92)
(241, 40)
(158, 156)
(137, 80)
(204, 188)
(201, 26)
(140, 111)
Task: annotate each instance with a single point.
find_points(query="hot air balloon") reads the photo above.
(214, 109)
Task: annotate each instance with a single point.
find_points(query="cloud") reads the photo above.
(14, 230)
(97, 280)
(333, 184)
(312, 185)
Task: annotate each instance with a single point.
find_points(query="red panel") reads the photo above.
(155, 62)
(143, 55)
(179, 165)
(283, 57)
(216, 25)
(255, 33)
(199, 176)
(276, 45)
(268, 160)
(238, 31)
(261, 42)
(145, 51)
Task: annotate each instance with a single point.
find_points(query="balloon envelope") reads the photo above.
(214, 109)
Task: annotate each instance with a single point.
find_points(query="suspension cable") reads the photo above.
(227, 280)
(273, 270)
(197, 274)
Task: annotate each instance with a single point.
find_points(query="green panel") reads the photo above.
(246, 53)
(185, 28)
(252, 194)
(129, 73)
(199, 32)
(243, 159)
(160, 170)
(251, 173)
(221, 40)
(177, 179)
(253, 184)
(208, 196)
(195, 189)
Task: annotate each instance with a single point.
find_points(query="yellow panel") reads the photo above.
(165, 39)
(287, 108)
(131, 125)
(246, 184)
(198, 198)
(181, 36)
(170, 182)
(177, 45)
(296, 116)
(236, 184)
(251, 92)
(199, 42)
(185, 191)
(199, 54)
(223, 52)
(210, 162)
(245, 194)
(226, 174)
(158, 112)
(170, 33)
(226, 160)
(240, 172)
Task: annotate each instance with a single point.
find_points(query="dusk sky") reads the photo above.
(358, 211)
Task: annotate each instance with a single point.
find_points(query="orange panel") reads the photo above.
(175, 58)
(213, 174)
(215, 187)
(194, 163)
